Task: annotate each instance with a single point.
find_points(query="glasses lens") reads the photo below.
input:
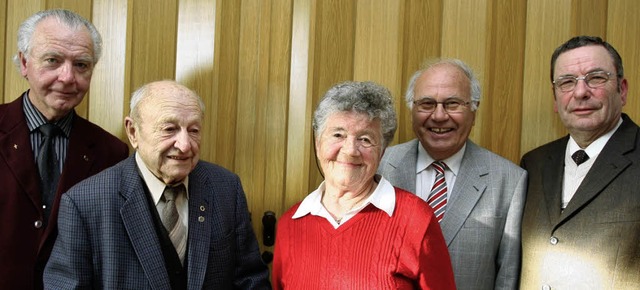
(596, 79)
(453, 106)
(566, 84)
(426, 105)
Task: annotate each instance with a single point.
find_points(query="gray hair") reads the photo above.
(360, 97)
(474, 83)
(145, 91)
(66, 17)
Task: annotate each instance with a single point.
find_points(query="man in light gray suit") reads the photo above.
(483, 193)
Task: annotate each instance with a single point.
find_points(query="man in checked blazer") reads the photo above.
(481, 223)
(581, 224)
(111, 225)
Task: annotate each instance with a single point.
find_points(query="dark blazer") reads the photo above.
(481, 225)
(25, 244)
(595, 242)
(107, 239)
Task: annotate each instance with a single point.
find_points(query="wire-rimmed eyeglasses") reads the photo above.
(451, 106)
(595, 79)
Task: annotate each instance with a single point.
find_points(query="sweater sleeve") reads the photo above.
(436, 271)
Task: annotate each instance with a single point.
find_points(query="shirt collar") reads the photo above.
(596, 146)
(35, 119)
(453, 162)
(383, 197)
(155, 185)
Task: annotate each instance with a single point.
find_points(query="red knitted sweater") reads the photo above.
(369, 251)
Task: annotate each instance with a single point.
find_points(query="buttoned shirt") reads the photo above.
(574, 174)
(426, 174)
(156, 188)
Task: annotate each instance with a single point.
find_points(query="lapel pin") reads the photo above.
(85, 157)
(15, 146)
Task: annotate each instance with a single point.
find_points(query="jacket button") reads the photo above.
(546, 287)
(553, 240)
(37, 224)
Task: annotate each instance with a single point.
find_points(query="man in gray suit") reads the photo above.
(581, 224)
(481, 198)
(160, 219)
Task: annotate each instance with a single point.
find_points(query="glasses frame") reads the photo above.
(584, 78)
(461, 104)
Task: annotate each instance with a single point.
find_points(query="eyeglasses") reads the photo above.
(339, 138)
(451, 106)
(593, 80)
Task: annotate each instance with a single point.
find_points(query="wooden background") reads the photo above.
(262, 65)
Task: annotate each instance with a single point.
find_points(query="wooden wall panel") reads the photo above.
(548, 26)
(422, 35)
(623, 31)
(502, 88)
(3, 48)
(378, 43)
(17, 11)
(299, 143)
(464, 36)
(261, 66)
(110, 86)
(153, 41)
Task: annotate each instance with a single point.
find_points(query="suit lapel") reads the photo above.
(552, 177)
(200, 219)
(405, 176)
(469, 186)
(15, 149)
(609, 164)
(138, 226)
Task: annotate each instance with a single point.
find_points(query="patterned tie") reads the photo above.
(172, 220)
(48, 166)
(580, 157)
(438, 196)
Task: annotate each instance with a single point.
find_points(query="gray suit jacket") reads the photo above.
(107, 237)
(595, 242)
(482, 222)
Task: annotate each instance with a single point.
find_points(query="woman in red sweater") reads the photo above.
(356, 231)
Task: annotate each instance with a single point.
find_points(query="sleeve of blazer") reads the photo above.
(509, 254)
(251, 272)
(70, 266)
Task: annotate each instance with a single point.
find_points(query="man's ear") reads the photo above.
(130, 129)
(23, 64)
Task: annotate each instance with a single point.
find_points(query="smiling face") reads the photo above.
(442, 134)
(58, 67)
(166, 134)
(349, 150)
(585, 111)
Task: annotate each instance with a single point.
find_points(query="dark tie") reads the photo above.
(438, 196)
(580, 157)
(172, 220)
(48, 166)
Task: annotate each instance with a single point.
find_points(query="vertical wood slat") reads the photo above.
(503, 78)
(109, 85)
(17, 12)
(623, 29)
(464, 36)
(547, 27)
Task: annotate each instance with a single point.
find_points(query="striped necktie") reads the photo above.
(438, 196)
(172, 220)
